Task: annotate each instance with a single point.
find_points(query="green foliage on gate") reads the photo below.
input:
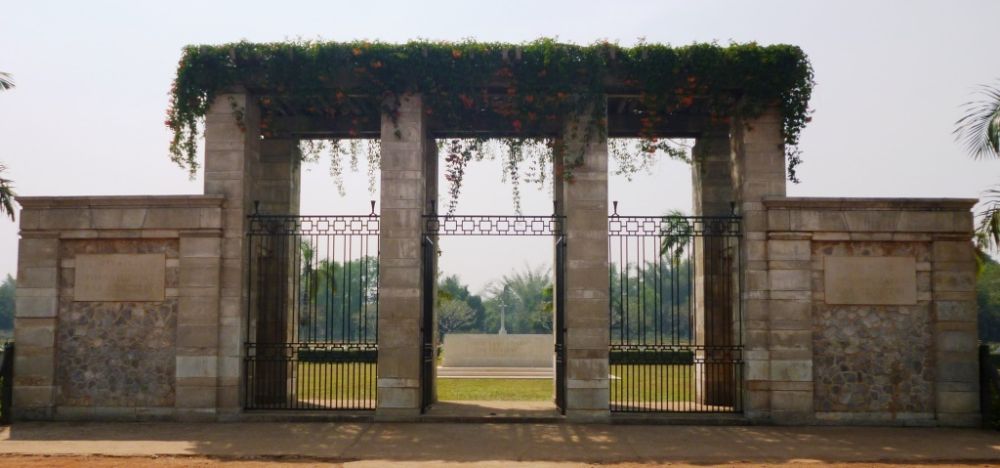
(521, 87)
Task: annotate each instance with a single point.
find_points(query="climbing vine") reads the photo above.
(527, 92)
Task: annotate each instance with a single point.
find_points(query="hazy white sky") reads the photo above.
(92, 80)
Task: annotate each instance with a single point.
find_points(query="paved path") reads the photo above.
(376, 444)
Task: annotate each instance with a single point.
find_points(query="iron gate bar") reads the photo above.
(659, 362)
(312, 334)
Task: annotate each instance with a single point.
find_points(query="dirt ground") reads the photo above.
(115, 462)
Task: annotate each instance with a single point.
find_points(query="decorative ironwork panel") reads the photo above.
(676, 322)
(679, 226)
(364, 225)
(493, 225)
(312, 334)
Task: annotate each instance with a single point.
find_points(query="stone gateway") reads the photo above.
(204, 307)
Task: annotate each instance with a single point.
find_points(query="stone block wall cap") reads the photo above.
(861, 204)
(123, 201)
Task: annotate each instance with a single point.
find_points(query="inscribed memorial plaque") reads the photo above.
(870, 280)
(120, 277)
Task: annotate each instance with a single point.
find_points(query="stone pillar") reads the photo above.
(35, 324)
(405, 172)
(758, 172)
(232, 159)
(279, 184)
(954, 327)
(714, 318)
(276, 188)
(583, 199)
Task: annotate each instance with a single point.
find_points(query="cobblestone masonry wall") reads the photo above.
(873, 359)
(855, 358)
(116, 353)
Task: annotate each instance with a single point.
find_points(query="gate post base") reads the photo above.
(588, 416)
(397, 403)
(397, 414)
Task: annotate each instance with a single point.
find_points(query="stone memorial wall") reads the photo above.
(117, 307)
(871, 311)
(489, 350)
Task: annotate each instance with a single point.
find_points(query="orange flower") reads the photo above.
(356, 51)
(376, 64)
(456, 54)
(686, 101)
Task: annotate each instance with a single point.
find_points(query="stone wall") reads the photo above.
(137, 346)
(889, 340)
(116, 354)
(492, 350)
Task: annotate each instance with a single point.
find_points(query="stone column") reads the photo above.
(276, 189)
(714, 318)
(954, 326)
(279, 184)
(232, 159)
(583, 199)
(35, 324)
(404, 200)
(758, 172)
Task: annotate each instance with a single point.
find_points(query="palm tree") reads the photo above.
(6, 185)
(979, 131)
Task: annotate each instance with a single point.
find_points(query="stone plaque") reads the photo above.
(871, 280)
(120, 277)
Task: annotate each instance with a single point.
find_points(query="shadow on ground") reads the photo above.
(593, 443)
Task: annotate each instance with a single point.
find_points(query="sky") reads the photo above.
(92, 79)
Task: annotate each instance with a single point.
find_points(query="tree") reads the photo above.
(527, 297)
(988, 299)
(453, 315)
(451, 288)
(7, 289)
(979, 131)
(6, 185)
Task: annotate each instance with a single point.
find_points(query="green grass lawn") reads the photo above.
(652, 382)
(495, 389)
(327, 380)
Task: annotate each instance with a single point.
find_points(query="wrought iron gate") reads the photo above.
(312, 316)
(491, 225)
(676, 320)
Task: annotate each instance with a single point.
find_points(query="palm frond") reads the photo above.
(6, 195)
(979, 129)
(677, 233)
(6, 81)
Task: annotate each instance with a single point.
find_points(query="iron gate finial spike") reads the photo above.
(373, 208)
(615, 203)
